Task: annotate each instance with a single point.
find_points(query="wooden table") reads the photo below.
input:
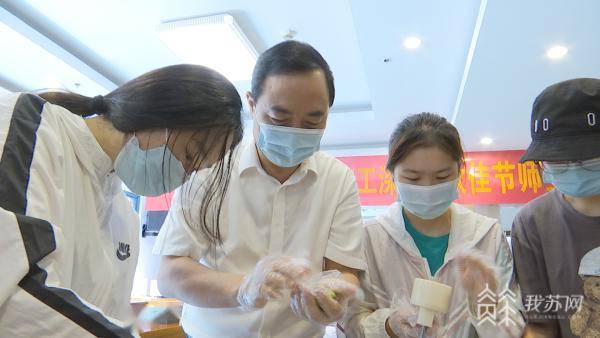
(153, 330)
(161, 331)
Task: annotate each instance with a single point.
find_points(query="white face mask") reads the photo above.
(427, 202)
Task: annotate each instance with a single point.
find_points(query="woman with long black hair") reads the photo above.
(69, 236)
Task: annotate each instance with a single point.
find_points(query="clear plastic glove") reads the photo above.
(323, 298)
(403, 322)
(271, 277)
(476, 272)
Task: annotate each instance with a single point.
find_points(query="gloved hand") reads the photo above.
(403, 322)
(270, 278)
(475, 272)
(324, 298)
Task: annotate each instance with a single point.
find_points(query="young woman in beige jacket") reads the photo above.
(425, 235)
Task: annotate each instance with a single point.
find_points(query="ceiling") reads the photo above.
(481, 62)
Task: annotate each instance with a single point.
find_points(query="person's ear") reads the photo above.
(251, 104)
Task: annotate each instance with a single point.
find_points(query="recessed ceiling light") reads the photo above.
(487, 141)
(412, 42)
(557, 52)
(213, 41)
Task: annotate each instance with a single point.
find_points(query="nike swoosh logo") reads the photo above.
(122, 256)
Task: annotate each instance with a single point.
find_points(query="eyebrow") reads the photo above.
(282, 110)
(411, 171)
(279, 109)
(444, 170)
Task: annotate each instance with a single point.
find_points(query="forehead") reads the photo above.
(297, 89)
(426, 159)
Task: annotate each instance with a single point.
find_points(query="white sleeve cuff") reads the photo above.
(344, 258)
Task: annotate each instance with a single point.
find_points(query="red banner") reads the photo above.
(491, 177)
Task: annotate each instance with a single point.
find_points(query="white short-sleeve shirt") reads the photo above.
(314, 214)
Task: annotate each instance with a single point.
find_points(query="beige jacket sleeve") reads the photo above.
(366, 318)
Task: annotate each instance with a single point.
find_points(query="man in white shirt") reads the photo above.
(286, 202)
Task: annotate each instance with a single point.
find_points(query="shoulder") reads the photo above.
(465, 215)
(476, 228)
(28, 105)
(33, 111)
(8, 101)
(374, 229)
(534, 212)
(331, 167)
(23, 106)
(372, 224)
(541, 204)
(31, 120)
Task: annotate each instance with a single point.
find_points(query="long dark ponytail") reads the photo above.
(179, 97)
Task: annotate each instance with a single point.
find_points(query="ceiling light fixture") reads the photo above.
(214, 41)
(412, 42)
(487, 141)
(557, 52)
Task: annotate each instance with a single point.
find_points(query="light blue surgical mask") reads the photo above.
(150, 172)
(287, 147)
(574, 179)
(427, 202)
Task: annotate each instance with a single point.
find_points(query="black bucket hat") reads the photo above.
(565, 122)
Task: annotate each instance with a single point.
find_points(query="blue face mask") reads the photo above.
(151, 172)
(287, 147)
(580, 180)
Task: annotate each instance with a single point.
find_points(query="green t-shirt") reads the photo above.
(432, 248)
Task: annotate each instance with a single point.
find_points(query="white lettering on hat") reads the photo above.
(546, 124)
(591, 117)
(535, 126)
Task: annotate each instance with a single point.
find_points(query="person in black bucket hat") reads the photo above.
(565, 123)
(552, 233)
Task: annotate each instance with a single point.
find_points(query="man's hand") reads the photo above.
(270, 277)
(324, 302)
